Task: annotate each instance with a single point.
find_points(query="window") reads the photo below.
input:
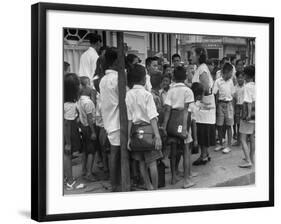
(213, 53)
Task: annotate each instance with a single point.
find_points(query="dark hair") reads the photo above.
(224, 59)
(86, 91)
(210, 62)
(102, 49)
(136, 74)
(201, 52)
(165, 66)
(94, 38)
(66, 65)
(149, 60)
(96, 83)
(175, 56)
(232, 58)
(227, 67)
(84, 80)
(130, 58)
(197, 89)
(239, 60)
(71, 87)
(249, 71)
(179, 74)
(110, 57)
(156, 79)
(216, 62)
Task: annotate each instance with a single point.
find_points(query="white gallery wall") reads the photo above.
(15, 110)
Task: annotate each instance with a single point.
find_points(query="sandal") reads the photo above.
(74, 185)
(246, 165)
(189, 185)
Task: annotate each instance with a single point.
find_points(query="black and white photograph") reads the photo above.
(140, 111)
(146, 111)
(183, 119)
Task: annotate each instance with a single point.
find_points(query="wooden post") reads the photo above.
(125, 167)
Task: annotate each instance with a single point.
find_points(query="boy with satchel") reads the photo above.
(177, 121)
(144, 140)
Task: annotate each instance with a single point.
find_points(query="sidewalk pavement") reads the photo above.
(221, 171)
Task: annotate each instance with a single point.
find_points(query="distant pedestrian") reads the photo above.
(88, 60)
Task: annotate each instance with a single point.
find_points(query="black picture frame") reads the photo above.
(38, 115)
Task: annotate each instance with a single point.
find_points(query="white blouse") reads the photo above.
(205, 116)
(199, 71)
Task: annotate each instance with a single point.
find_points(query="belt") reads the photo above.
(225, 101)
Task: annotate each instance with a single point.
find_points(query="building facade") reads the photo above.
(218, 47)
(161, 44)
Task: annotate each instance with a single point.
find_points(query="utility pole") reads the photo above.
(125, 167)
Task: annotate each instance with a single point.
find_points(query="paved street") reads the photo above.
(222, 171)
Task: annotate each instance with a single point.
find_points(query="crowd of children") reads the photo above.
(173, 110)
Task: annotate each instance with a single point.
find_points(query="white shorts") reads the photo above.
(114, 138)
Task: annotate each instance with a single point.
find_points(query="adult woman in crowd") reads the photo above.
(206, 116)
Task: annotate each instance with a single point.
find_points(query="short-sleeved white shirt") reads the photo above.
(203, 68)
(249, 92)
(109, 97)
(86, 106)
(140, 105)
(147, 85)
(88, 63)
(225, 89)
(239, 94)
(205, 116)
(178, 95)
(194, 108)
(70, 111)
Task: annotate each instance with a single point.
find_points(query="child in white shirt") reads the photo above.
(179, 97)
(87, 116)
(238, 105)
(141, 109)
(247, 123)
(109, 96)
(224, 91)
(70, 128)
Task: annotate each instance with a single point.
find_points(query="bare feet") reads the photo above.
(179, 173)
(193, 174)
(149, 187)
(246, 165)
(174, 180)
(188, 184)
